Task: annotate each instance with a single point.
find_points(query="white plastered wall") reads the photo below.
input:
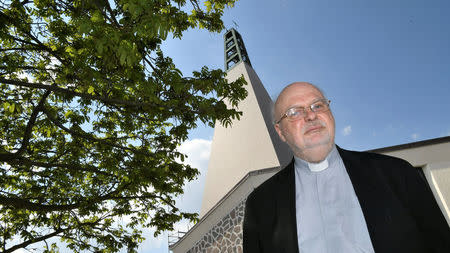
(251, 143)
(438, 177)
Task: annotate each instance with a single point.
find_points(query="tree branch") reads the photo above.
(30, 124)
(89, 136)
(20, 203)
(103, 99)
(195, 5)
(23, 41)
(48, 236)
(111, 13)
(34, 240)
(21, 49)
(41, 45)
(73, 167)
(29, 68)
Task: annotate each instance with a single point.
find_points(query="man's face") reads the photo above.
(312, 137)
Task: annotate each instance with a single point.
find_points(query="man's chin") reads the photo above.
(317, 142)
(315, 152)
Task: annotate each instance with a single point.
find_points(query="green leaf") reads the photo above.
(97, 17)
(208, 6)
(11, 108)
(6, 105)
(90, 90)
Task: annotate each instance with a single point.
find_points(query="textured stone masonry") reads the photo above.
(225, 236)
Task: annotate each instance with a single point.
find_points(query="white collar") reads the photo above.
(320, 166)
(316, 167)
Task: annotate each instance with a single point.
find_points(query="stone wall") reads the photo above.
(225, 236)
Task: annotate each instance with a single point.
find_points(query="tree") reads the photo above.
(91, 114)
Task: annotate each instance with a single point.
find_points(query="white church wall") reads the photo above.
(438, 177)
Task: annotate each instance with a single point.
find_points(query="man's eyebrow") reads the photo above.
(314, 101)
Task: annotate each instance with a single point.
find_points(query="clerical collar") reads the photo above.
(316, 167)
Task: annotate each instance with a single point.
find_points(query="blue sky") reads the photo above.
(384, 64)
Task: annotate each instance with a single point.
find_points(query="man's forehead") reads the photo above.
(296, 92)
(300, 88)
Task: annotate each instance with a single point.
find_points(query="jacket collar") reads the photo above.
(285, 228)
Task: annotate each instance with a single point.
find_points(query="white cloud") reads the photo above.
(198, 151)
(414, 136)
(152, 243)
(347, 130)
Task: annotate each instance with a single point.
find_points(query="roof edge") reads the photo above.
(416, 144)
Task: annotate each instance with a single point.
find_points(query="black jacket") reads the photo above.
(400, 211)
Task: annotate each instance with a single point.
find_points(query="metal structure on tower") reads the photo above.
(235, 51)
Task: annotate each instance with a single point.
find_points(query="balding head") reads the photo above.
(276, 114)
(311, 137)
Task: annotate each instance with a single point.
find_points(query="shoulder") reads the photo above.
(392, 169)
(370, 158)
(267, 190)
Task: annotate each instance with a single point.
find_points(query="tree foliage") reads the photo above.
(91, 114)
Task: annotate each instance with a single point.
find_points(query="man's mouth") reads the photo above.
(314, 129)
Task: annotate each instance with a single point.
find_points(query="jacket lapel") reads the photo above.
(285, 230)
(368, 190)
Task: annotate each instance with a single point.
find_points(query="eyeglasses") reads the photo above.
(298, 112)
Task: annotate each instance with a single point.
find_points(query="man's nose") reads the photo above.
(310, 115)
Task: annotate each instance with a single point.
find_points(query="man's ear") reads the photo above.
(280, 132)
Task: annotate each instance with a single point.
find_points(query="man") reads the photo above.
(333, 200)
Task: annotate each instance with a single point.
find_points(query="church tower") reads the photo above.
(251, 143)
